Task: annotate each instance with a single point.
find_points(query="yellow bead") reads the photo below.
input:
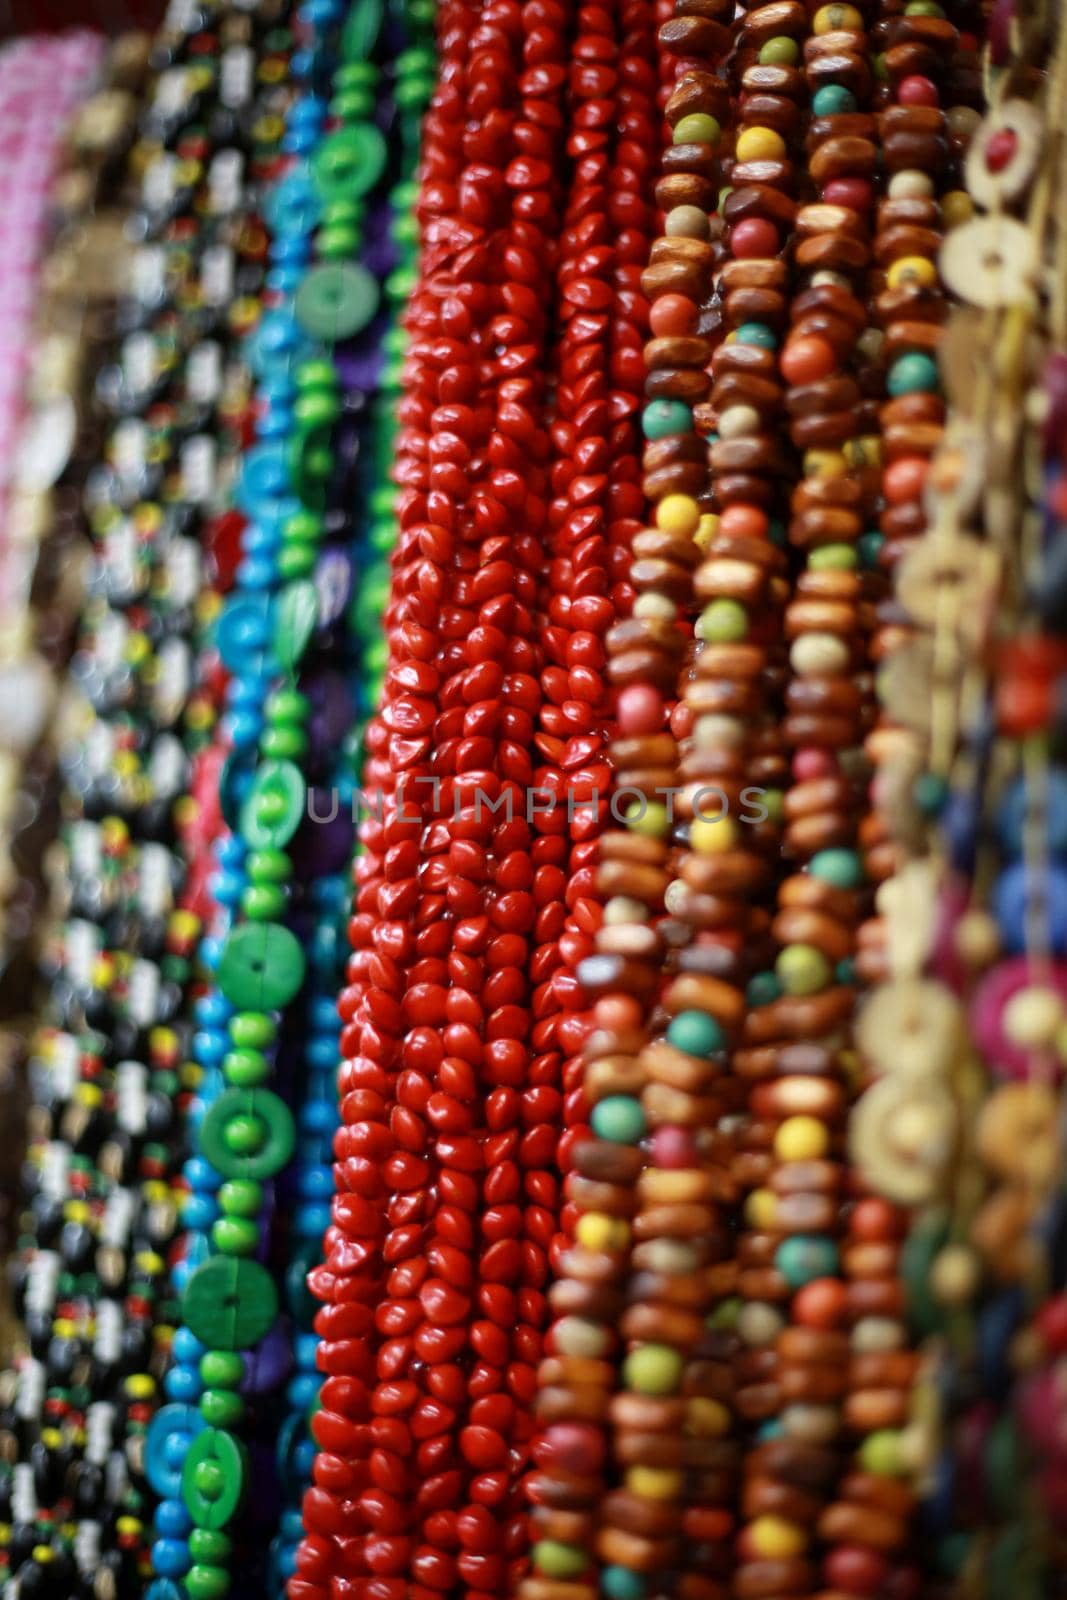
(761, 1209)
(828, 19)
(760, 144)
(712, 838)
(801, 1139)
(775, 1539)
(597, 1231)
(824, 464)
(139, 1386)
(654, 1483)
(912, 269)
(707, 528)
(678, 513)
(956, 207)
(706, 1419)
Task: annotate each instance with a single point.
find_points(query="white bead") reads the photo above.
(825, 278)
(622, 909)
(819, 655)
(736, 421)
(712, 732)
(911, 185)
(876, 1335)
(675, 1257)
(759, 1324)
(655, 605)
(812, 1424)
(576, 1336)
(687, 222)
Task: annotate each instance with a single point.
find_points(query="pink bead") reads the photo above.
(640, 709)
(808, 764)
(673, 1148)
(754, 239)
(917, 91)
(855, 193)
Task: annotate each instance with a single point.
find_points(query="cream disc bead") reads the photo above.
(1033, 1018)
(977, 938)
(713, 732)
(826, 278)
(737, 421)
(911, 185)
(687, 222)
(819, 655)
(621, 909)
(655, 606)
(811, 1424)
(758, 1324)
(955, 1274)
(877, 1335)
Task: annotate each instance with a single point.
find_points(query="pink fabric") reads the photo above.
(42, 80)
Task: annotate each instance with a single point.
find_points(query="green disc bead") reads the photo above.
(264, 902)
(757, 333)
(726, 1313)
(210, 1544)
(206, 1582)
(619, 1583)
(241, 1197)
(351, 105)
(354, 74)
(338, 243)
(773, 802)
(287, 708)
(649, 820)
(316, 408)
(696, 1033)
(222, 1369)
(252, 1030)
(802, 969)
(779, 52)
(235, 1236)
(653, 1369)
(295, 561)
(724, 622)
(842, 869)
(833, 558)
(221, 1408)
(914, 373)
(880, 1453)
(268, 866)
(699, 127)
(832, 99)
(209, 1479)
(763, 989)
(661, 418)
(285, 744)
(923, 8)
(619, 1119)
(244, 1135)
(303, 526)
(245, 1069)
(804, 1257)
(558, 1560)
(317, 374)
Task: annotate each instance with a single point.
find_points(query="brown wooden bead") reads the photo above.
(685, 189)
(767, 1580)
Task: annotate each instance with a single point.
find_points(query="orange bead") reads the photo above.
(904, 480)
(874, 1220)
(673, 316)
(822, 1303)
(744, 522)
(807, 360)
(617, 1013)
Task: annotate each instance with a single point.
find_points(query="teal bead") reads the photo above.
(763, 989)
(664, 417)
(805, 1257)
(831, 99)
(842, 869)
(930, 792)
(913, 374)
(696, 1033)
(619, 1119)
(619, 1583)
(869, 546)
(757, 333)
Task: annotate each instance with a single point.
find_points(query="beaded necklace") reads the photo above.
(247, 1133)
(107, 1073)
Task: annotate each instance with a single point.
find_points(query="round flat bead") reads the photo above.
(696, 1033)
(336, 300)
(619, 1119)
(805, 1257)
(653, 1369)
(261, 967)
(229, 1303)
(699, 127)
